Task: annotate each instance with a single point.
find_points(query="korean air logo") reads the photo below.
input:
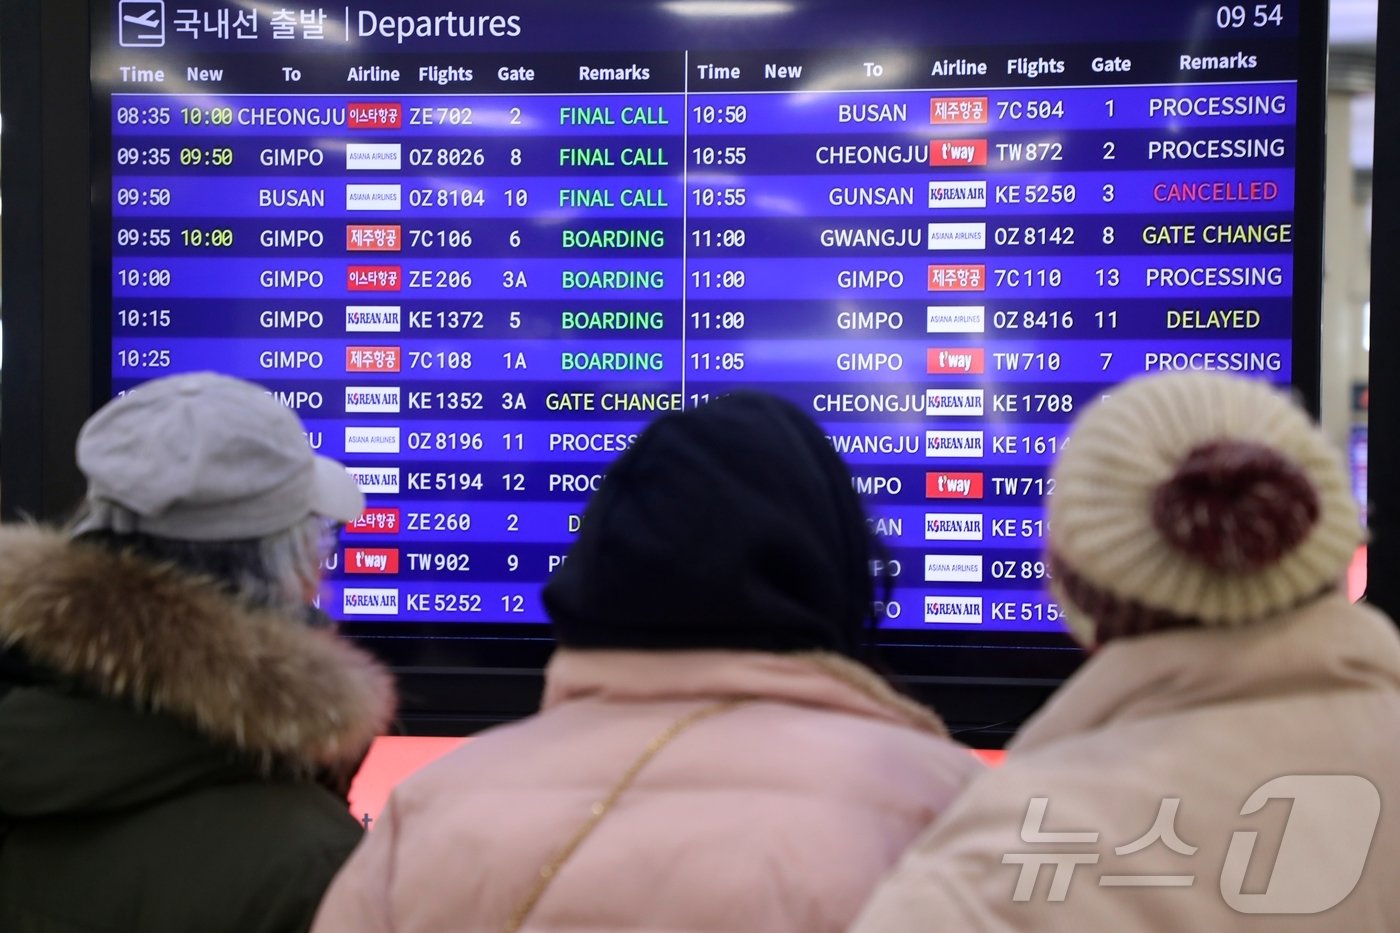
(142, 24)
(359, 601)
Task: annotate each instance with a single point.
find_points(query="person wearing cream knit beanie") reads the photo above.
(1196, 500)
(1200, 530)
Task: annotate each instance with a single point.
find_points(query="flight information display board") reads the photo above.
(477, 250)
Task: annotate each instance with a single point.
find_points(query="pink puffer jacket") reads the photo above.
(779, 814)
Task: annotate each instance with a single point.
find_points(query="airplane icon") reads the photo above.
(142, 23)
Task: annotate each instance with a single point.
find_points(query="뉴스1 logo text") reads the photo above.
(1313, 861)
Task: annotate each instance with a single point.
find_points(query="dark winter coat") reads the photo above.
(166, 753)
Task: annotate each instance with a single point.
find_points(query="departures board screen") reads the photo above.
(477, 247)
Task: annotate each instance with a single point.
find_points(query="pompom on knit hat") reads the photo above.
(1195, 500)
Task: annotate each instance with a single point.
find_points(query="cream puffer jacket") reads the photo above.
(1182, 782)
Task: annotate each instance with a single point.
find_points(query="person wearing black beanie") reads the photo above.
(733, 525)
(711, 754)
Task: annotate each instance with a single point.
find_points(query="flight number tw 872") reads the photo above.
(1030, 152)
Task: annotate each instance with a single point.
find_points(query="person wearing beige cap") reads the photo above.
(177, 726)
(1228, 758)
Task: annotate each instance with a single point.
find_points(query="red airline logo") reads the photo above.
(372, 560)
(373, 359)
(374, 115)
(948, 153)
(956, 361)
(380, 238)
(957, 277)
(954, 111)
(380, 521)
(374, 278)
(952, 485)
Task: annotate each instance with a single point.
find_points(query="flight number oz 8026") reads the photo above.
(452, 157)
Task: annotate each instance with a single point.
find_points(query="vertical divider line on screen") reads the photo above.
(685, 209)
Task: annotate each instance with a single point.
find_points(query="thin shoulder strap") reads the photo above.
(600, 809)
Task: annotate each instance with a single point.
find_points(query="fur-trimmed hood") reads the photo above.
(158, 639)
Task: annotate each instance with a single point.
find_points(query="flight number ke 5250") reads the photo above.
(1036, 194)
